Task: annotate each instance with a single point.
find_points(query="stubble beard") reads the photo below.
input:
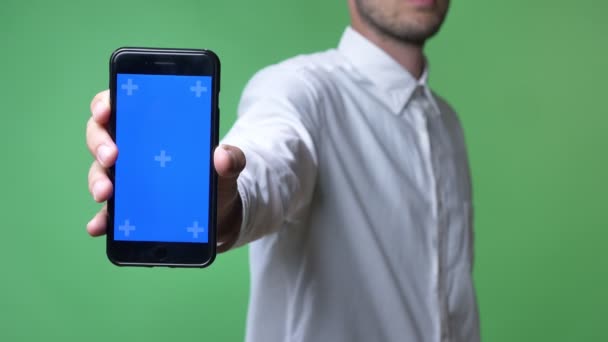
(403, 31)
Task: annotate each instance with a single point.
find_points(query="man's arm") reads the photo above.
(276, 130)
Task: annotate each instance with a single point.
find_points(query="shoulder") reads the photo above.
(292, 89)
(296, 79)
(447, 110)
(443, 104)
(451, 118)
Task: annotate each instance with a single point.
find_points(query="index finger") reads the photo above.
(100, 107)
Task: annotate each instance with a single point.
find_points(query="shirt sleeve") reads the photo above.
(273, 129)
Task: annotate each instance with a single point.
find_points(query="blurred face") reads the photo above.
(412, 21)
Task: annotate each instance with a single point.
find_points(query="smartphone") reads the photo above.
(164, 120)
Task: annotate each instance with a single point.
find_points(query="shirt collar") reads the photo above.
(372, 65)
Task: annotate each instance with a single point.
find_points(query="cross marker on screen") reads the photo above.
(195, 229)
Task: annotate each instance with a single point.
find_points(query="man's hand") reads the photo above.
(229, 162)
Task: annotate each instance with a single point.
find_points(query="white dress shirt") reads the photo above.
(357, 203)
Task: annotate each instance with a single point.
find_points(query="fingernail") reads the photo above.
(99, 107)
(97, 188)
(103, 153)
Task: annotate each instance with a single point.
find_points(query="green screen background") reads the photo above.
(528, 79)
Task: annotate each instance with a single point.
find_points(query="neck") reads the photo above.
(410, 56)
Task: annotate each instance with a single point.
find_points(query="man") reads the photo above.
(348, 178)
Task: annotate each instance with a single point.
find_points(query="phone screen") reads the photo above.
(163, 128)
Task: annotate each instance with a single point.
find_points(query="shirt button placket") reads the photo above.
(428, 113)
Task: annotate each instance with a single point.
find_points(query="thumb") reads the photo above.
(229, 161)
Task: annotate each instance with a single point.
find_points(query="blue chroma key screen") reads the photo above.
(163, 128)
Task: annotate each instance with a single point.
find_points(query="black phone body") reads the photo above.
(165, 122)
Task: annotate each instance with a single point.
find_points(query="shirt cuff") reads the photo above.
(245, 204)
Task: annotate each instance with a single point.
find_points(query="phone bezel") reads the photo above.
(189, 62)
